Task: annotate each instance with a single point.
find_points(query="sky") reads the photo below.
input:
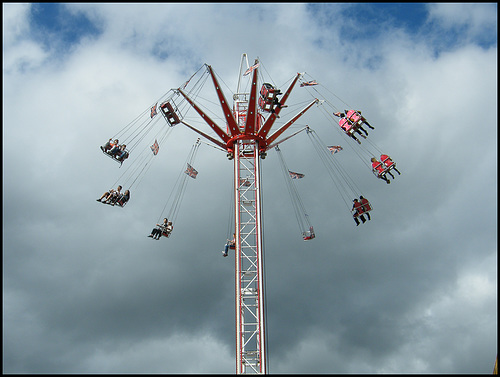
(413, 290)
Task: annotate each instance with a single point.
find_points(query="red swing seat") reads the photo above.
(169, 113)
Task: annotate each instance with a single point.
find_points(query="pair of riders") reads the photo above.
(164, 229)
(383, 167)
(115, 197)
(114, 149)
(351, 121)
(360, 208)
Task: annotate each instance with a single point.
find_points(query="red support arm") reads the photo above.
(225, 138)
(216, 142)
(252, 106)
(231, 122)
(270, 121)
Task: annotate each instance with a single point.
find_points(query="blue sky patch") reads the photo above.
(367, 21)
(53, 25)
(370, 16)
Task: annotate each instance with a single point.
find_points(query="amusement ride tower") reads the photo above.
(246, 140)
(246, 137)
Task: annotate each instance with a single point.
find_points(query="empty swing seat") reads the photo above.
(265, 105)
(169, 113)
(267, 97)
(268, 92)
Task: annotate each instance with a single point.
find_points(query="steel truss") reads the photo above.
(247, 140)
(250, 335)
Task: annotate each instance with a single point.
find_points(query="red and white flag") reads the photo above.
(249, 70)
(191, 171)
(153, 110)
(309, 83)
(294, 175)
(335, 148)
(155, 148)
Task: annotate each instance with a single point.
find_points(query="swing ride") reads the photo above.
(252, 128)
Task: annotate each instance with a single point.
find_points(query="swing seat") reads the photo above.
(115, 203)
(388, 164)
(267, 97)
(309, 235)
(347, 126)
(379, 172)
(386, 169)
(120, 203)
(113, 157)
(351, 123)
(356, 118)
(169, 113)
(268, 92)
(366, 210)
(265, 105)
(166, 232)
(389, 168)
(359, 213)
(356, 125)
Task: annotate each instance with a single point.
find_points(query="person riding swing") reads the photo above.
(230, 244)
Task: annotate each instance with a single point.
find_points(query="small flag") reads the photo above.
(339, 114)
(187, 82)
(153, 110)
(191, 171)
(155, 148)
(249, 70)
(335, 148)
(295, 175)
(309, 83)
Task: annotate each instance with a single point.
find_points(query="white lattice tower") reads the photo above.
(247, 139)
(250, 334)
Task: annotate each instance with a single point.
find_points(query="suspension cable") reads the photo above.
(180, 186)
(300, 212)
(344, 183)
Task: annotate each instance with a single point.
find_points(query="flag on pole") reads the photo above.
(191, 171)
(153, 110)
(309, 83)
(334, 148)
(249, 70)
(155, 148)
(295, 175)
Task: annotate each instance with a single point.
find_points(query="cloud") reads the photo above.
(474, 22)
(23, 54)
